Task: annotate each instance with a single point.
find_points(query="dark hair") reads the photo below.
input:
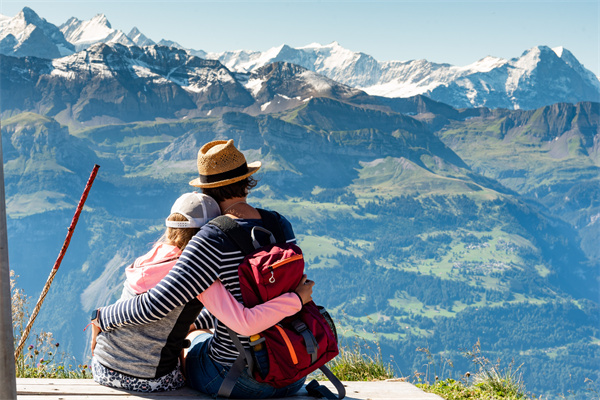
(236, 189)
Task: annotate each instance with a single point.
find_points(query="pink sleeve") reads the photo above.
(247, 321)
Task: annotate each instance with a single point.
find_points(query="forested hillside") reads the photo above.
(409, 245)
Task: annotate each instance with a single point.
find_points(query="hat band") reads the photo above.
(234, 173)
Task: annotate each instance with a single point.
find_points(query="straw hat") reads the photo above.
(220, 163)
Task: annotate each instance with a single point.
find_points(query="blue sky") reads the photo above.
(455, 32)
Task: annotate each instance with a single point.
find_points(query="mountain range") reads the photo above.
(540, 76)
(424, 225)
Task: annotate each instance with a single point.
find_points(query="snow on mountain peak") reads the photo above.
(273, 51)
(558, 50)
(139, 38)
(27, 34)
(574, 63)
(316, 45)
(313, 45)
(170, 43)
(101, 19)
(486, 64)
(134, 31)
(567, 57)
(530, 58)
(85, 33)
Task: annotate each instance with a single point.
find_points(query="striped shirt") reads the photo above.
(205, 320)
(209, 256)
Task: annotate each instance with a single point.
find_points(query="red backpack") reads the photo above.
(297, 345)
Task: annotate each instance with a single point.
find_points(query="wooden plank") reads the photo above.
(72, 387)
(149, 396)
(69, 389)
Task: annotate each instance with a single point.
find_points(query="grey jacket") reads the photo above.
(150, 350)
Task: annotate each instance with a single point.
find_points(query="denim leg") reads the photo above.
(289, 389)
(201, 371)
(205, 375)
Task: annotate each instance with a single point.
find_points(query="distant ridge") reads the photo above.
(540, 76)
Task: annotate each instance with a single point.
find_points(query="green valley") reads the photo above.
(418, 235)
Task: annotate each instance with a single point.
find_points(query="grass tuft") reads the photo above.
(40, 357)
(352, 364)
(489, 383)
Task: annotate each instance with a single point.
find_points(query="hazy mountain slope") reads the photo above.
(109, 83)
(550, 155)
(395, 227)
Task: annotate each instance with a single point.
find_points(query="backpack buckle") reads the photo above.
(299, 326)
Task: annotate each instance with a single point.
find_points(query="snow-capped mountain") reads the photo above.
(139, 38)
(83, 34)
(333, 61)
(539, 77)
(197, 53)
(27, 34)
(279, 86)
(111, 82)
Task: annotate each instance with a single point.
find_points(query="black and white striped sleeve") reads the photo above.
(205, 320)
(197, 268)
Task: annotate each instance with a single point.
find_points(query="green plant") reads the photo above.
(489, 383)
(432, 367)
(352, 364)
(39, 357)
(451, 389)
(494, 379)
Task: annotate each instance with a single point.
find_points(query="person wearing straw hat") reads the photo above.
(224, 175)
(145, 358)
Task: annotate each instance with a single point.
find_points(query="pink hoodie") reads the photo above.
(150, 268)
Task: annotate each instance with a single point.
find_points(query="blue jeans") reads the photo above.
(206, 375)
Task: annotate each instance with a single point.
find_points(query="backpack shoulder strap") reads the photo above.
(235, 232)
(314, 389)
(243, 359)
(270, 221)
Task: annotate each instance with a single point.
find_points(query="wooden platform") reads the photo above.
(71, 389)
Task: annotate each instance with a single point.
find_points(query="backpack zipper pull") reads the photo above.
(272, 278)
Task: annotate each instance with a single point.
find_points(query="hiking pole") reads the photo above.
(8, 388)
(63, 250)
